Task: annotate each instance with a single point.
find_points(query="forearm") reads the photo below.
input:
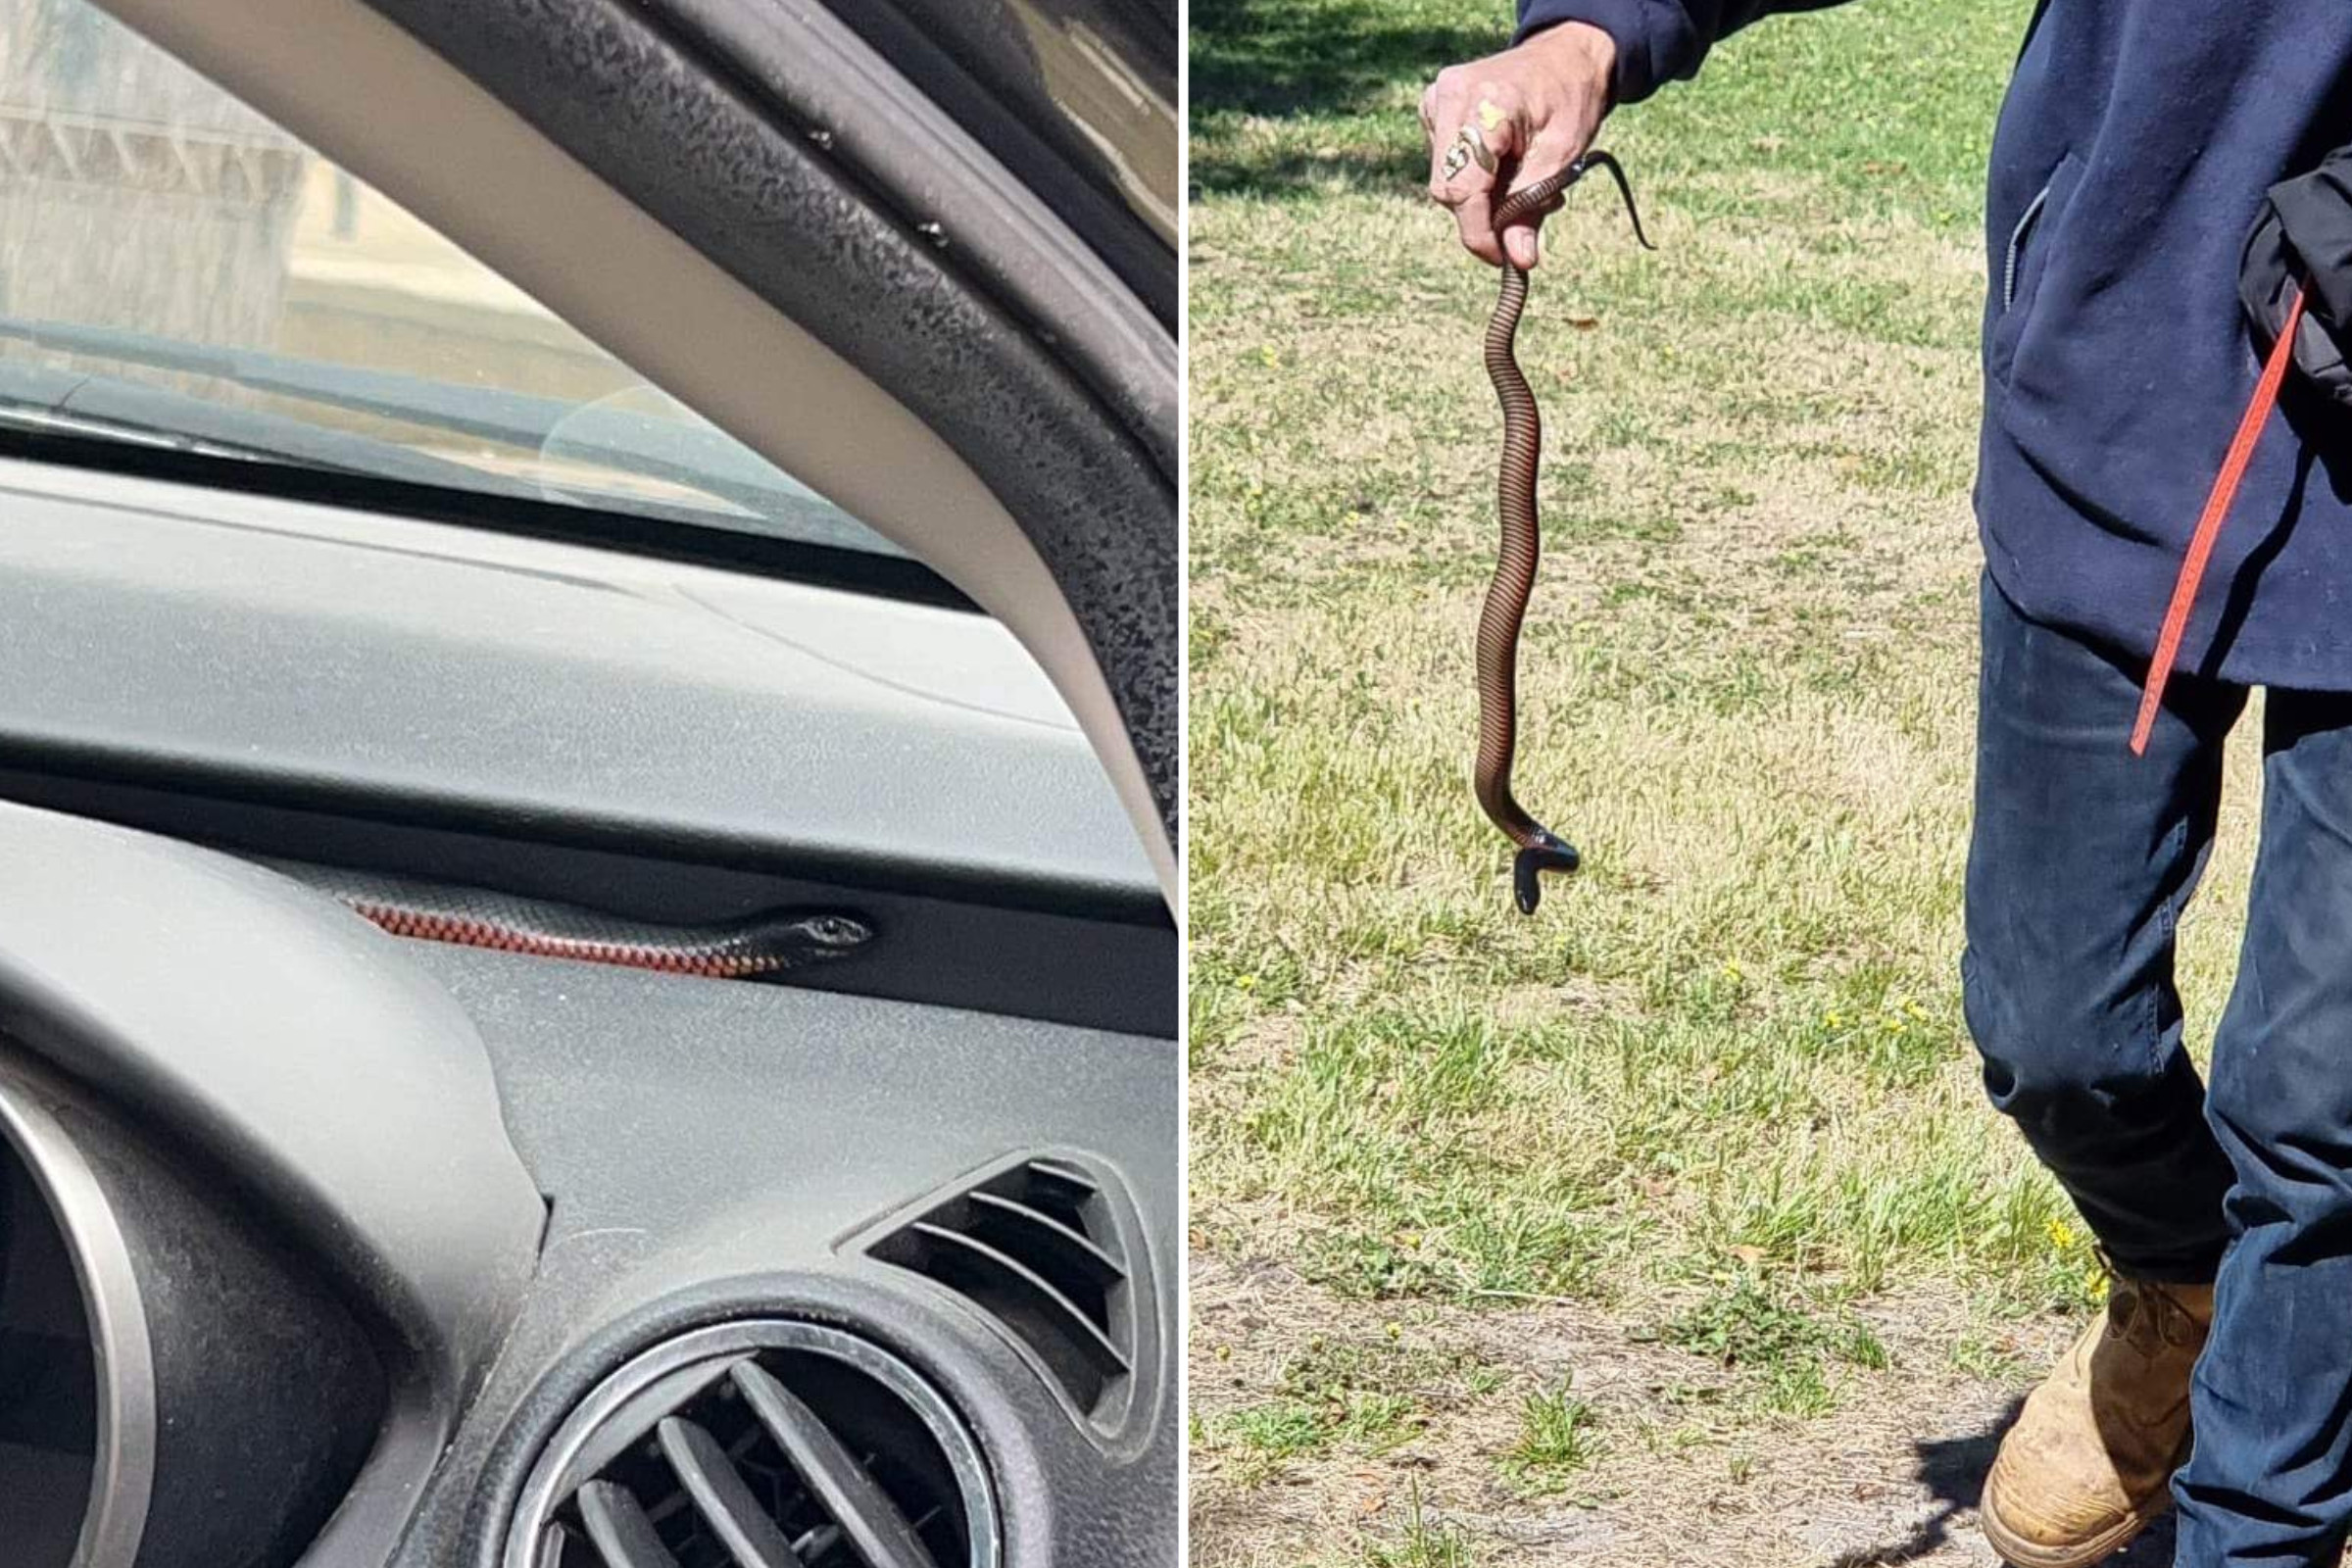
(1657, 40)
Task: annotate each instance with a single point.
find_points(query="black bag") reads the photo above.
(2303, 237)
(2302, 241)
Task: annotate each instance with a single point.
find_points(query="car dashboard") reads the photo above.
(321, 1246)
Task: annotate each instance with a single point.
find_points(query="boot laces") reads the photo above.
(2142, 1314)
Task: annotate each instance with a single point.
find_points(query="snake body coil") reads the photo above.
(1504, 612)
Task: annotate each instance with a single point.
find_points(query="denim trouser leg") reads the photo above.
(2269, 1480)
(2082, 860)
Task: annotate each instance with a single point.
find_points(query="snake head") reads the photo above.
(1550, 853)
(829, 933)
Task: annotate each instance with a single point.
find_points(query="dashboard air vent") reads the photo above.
(67, 1453)
(774, 1444)
(1038, 1248)
(175, 1390)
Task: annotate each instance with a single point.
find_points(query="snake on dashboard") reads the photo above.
(756, 947)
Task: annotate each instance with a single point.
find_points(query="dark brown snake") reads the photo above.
(1504, 612)
(752, 948)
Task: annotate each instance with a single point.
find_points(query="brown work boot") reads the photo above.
(2090, 1460)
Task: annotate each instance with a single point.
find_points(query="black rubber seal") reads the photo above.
(611, 85)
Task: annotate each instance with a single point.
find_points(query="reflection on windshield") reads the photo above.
(1126, 109)
(174, 269)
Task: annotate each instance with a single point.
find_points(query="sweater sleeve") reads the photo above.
(1657, 40)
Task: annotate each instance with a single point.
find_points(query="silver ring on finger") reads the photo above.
(1468, 146)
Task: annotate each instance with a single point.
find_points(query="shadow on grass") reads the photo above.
(1301, 60)
(1953, 1470)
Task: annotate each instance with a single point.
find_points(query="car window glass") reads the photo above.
(175, 269)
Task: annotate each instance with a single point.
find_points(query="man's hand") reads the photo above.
(1536, 109)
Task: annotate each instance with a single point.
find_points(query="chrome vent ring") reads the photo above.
(41, 1161)
(761, 1441)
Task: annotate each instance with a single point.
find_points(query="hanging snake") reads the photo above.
(1541, 850)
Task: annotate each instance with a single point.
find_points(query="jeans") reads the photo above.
(2082, 858)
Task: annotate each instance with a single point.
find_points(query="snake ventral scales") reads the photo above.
(1506, 609)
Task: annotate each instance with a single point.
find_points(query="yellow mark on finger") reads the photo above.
(1489, 116)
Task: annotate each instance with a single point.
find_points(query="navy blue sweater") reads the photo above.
(2131, 153)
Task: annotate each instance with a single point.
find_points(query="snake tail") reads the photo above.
(1504, 611)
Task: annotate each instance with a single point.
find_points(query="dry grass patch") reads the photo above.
(1669, 1456)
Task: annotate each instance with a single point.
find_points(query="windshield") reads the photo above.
(176, 270)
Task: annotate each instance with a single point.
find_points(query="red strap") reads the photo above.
(2217, 506)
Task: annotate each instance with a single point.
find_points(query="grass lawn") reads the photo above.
(1667, 1225)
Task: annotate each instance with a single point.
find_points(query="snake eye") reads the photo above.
(838, 930)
